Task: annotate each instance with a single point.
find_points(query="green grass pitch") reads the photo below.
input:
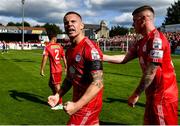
(23, 92)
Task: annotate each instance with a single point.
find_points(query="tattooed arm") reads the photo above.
(93, 89)
(91, 92)
(146, 80)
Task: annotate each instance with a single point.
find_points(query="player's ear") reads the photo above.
(82, 25)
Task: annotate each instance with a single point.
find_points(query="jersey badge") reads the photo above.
(157, 43)
(95, 54)
(78, 57)
(156, 53)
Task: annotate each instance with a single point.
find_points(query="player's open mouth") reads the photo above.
(71, 30)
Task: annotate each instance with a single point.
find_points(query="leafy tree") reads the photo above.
(18, 24)
(10, 24)
(173, 14)
(52, 29)
(118, 30)
(26, 24)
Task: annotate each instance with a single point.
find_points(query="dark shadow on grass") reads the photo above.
(27, 96)
(4, 59)
(110, 123)
(110, 100)
(122, 74)
(178, 81)
(22, 60)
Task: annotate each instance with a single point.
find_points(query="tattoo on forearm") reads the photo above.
(97, 78)
(147, 78)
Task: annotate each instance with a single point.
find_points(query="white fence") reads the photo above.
(25, 46)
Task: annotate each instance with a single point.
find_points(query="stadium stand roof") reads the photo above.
(18, 30)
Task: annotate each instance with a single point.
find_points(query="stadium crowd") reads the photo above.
(119, 42)
(174, 39)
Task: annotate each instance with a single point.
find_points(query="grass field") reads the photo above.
(24, 92)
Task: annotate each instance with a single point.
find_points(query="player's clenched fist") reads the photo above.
(133, 99)
(70, 108)
(53, 100)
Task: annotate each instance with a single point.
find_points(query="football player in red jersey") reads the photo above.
(84, 74)
(159, 78)
(55, 53)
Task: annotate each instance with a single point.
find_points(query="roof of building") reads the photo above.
(91, 26)
(94, 26)
(20, 28)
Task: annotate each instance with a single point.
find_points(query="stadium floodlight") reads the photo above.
(23, 1)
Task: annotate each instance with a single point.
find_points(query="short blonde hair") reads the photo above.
(142, 8)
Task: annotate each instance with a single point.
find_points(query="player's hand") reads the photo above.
(70, 108)
(132, 100)
(53, 100)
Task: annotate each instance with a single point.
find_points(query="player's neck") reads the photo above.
(77, 39)
(52, 41)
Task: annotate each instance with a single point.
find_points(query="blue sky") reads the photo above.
(113, 12)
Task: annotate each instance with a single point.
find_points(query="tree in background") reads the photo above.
(18, 24)
(118, 30)
(26, 24)
(11, 24)
(173, 14)
(52, 29)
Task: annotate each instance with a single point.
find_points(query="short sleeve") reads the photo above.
(156, 50)
(93, 58)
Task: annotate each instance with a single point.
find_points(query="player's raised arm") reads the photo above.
(120, 59)
(113, 58)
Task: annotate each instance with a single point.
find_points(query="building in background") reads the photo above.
(96, 31)
(14, 33)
